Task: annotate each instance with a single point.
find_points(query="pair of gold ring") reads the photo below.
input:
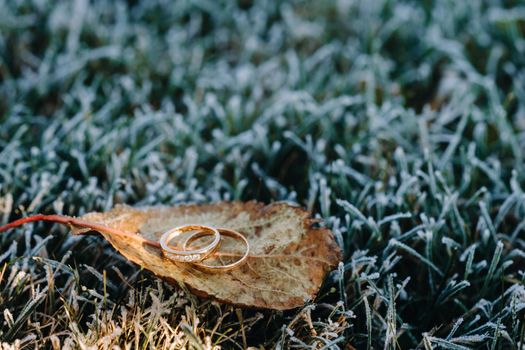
(197, 256)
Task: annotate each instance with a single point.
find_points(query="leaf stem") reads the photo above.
(71, 221)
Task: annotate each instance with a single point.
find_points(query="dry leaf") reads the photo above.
(288, 259)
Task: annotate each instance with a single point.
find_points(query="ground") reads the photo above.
(400, 124)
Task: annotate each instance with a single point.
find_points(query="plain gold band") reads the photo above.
(190, 255)
(223, 232)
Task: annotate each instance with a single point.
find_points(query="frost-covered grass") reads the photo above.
(400, 123)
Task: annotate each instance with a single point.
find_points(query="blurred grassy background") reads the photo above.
(400, 123)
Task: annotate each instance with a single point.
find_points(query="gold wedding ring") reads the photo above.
(223, 232)
(190, 255)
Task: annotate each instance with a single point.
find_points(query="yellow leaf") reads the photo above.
(288, 257)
